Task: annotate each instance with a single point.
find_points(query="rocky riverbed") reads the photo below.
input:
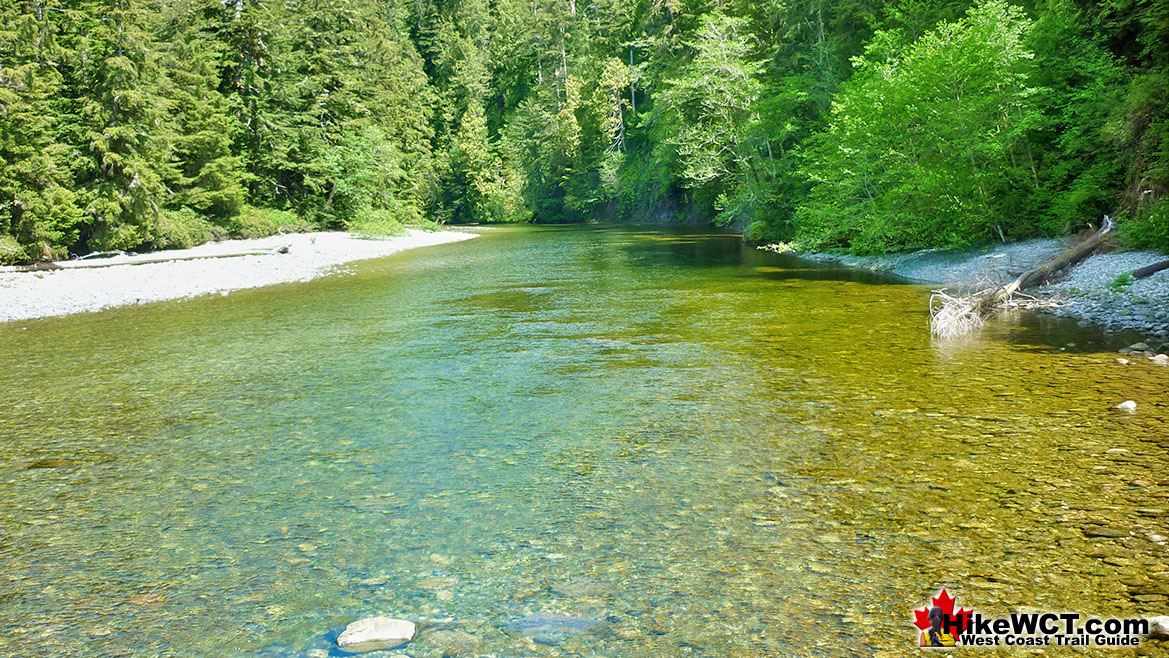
(1093, 292)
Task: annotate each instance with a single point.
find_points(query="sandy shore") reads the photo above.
(25, 295)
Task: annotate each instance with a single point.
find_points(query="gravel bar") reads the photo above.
(25, 295)
(1089, 292)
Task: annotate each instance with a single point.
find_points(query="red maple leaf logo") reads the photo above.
(950, 620)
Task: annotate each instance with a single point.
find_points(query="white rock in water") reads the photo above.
(1160, 359)
(1123, 362)
(1159, 627)
(1127, 405)
(376, 633)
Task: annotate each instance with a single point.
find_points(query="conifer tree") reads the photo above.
(39, 212)
(205, 175)
(119, 111)
(711, 105)
(479, 189)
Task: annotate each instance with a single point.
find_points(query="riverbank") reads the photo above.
(26, 295)
(1088, 292)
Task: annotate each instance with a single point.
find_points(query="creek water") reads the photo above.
(566, 441)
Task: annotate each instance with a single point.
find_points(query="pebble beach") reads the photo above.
(1092, 292)
(26, 295)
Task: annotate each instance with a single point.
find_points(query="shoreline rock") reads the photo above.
(375, 634)
(993, 265)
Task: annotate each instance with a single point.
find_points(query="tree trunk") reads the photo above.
(1150, 270)
(959, 315)
(1040, 274)
(82, 263)
(632, 98)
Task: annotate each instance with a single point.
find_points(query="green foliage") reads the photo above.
(868, 126)
(11, 251)
(1121, 282)
(262, 222)
(182, 229)
(1150, 231)
(763, 231)
(376, 224)
(642, 179)
(1076, 136)
(478, 190)
(925, 145)
(119, 110)
(535, 139)
(711, 105)
(1136, 32)
(39, 209)
(204, 174)
(361, 174)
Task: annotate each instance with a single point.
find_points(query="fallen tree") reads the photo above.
(1150, 270)
(112, 258)
(952, 316)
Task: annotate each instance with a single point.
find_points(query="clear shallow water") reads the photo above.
(680, 445)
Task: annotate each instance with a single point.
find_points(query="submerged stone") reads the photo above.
(453, 643)
(551, 627)
(581, 588)
(1104, 532)
(375, 633)
(48, 463)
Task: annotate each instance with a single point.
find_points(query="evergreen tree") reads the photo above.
(479, 191)
(205, 175)
(1080, 88)
(39, 211)
(116, 83)
(711, 105)
(245, 30)
(394, 94)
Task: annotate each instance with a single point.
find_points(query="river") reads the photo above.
(666, 442)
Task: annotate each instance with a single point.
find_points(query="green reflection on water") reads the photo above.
(702, 449)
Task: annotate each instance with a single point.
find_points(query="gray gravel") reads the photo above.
(25, 295)
(977, 267)
(1085, 293)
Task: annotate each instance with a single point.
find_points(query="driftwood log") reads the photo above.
(953, 316)
(90, 261)
(1150, 270)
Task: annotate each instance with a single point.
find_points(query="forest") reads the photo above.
(860, 125)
